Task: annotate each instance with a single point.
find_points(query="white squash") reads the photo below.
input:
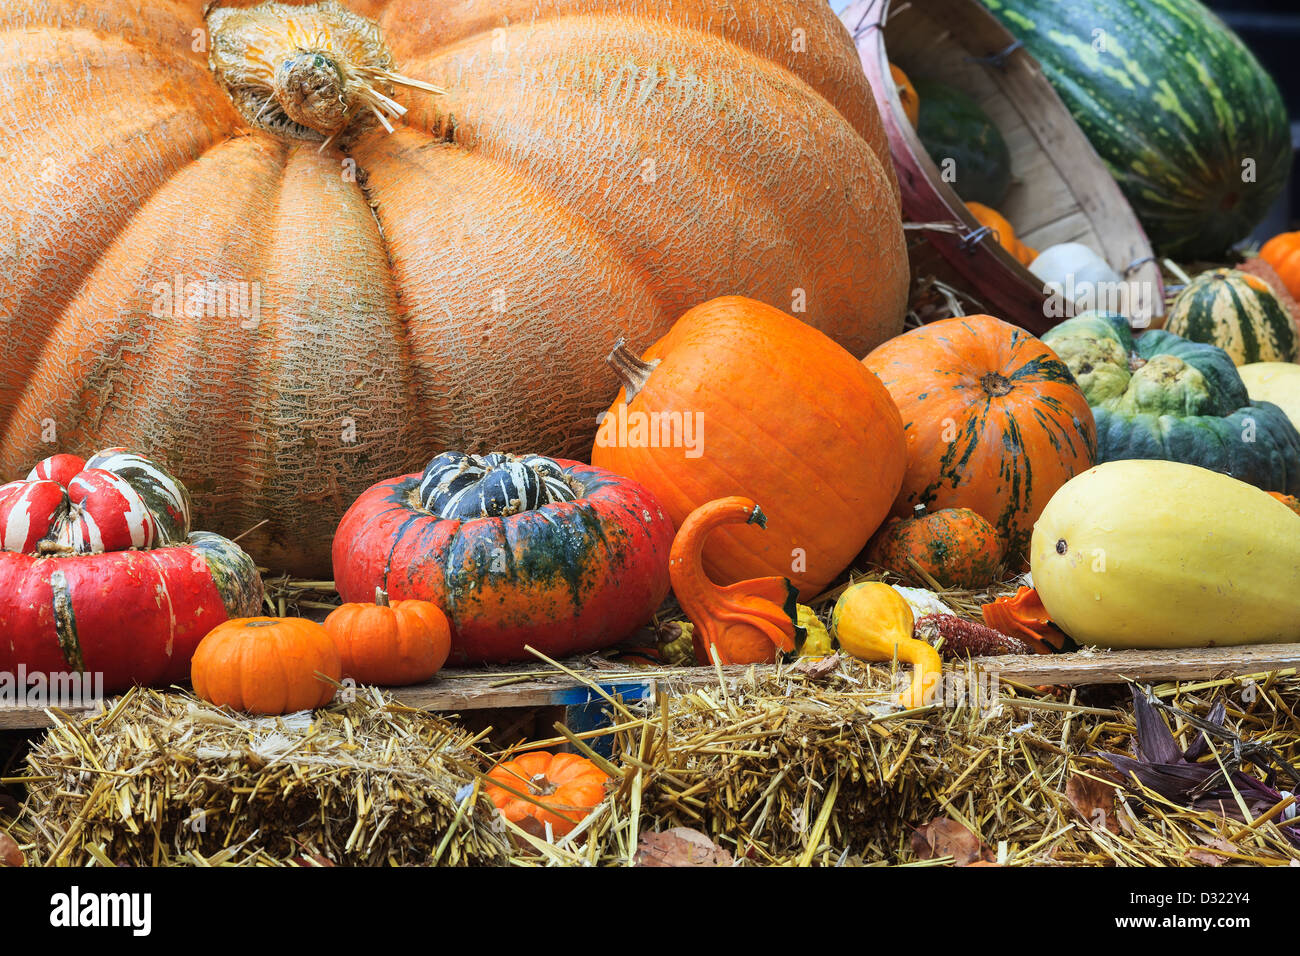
(1163, 554)
(1082, 277)
(1276, 382)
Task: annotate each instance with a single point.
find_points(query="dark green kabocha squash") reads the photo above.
(952, 126)
(1160, 396)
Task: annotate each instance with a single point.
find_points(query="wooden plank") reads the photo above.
(465, 690)
(1114, 667)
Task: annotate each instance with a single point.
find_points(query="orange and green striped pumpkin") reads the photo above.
(994, 421)
(1239, 313)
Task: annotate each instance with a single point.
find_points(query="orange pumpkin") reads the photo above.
(955, 546)
(1282, 252)
(743, 623)
(266, 665)
(193, 274)
(1003, 232)
(565, 788)
(906, 95)
(404, 642)
(773, 410)
(994, 421)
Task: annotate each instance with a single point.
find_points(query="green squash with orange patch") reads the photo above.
(993, 419)
(954, 546)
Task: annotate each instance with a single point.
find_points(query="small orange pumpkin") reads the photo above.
(1282, 252)
(906, 95)
(955, 546)
(1003, 232)
(404, 642)
(746, 622)
(566, 787)
(266, 665)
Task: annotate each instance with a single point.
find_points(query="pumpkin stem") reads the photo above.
(381, 597)
(540, 786)
(632, 372)
(996, 385)
(306, 72)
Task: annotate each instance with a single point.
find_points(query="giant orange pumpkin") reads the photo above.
(742, 399)
(994, 421)
(193, 274)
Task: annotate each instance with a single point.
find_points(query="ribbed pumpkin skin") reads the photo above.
(1160, 396)
(994, 421)
(1239, 313)
(788, 419)
(1174, 106)
(390, 645)
(596, 168)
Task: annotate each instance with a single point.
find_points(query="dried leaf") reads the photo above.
(10, 855)
(818, 668)
(1213, 859)
(944, 837)
(680, 846)
(313, 859)
(1094, 801)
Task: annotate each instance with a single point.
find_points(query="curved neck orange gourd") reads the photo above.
(743, 623)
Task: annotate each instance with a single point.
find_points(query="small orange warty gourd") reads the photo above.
(774, 411)
(743, 623)
(955, 546)
(266, 665)
(994, 421)
(390, 644)
(566, 788)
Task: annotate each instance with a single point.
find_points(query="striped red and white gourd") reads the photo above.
(100, 573)
(1192, 128)
(1239, 313)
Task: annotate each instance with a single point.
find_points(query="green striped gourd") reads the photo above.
(1239, 313)
(1191, 126)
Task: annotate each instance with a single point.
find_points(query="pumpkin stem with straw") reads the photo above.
(381, 597)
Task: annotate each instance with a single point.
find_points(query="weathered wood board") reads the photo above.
(527, 686)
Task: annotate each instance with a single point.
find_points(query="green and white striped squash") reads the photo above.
(1239, 313)
(1192, 128)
